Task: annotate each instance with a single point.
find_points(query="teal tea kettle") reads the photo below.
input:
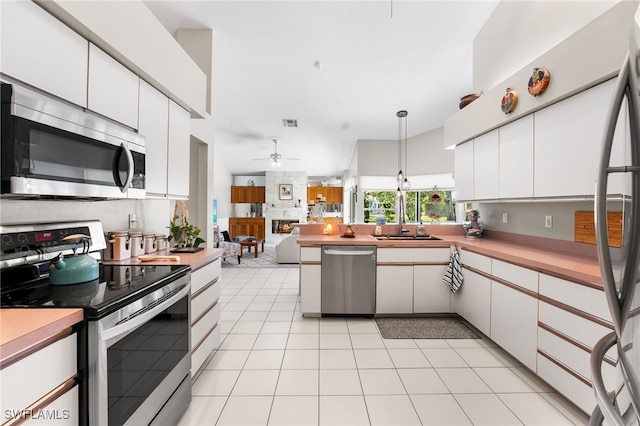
(74, 269)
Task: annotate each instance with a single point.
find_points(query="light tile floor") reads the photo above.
(275, 367)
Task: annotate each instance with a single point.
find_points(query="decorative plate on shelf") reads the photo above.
(466, 100)
(509, 101)
(539, 81)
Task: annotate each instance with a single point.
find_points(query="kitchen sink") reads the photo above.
(405, 237)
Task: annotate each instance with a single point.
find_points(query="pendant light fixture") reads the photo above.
(403, 182)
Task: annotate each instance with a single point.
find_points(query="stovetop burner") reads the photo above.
(117, 285)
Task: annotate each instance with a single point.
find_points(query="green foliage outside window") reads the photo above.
(420, 206)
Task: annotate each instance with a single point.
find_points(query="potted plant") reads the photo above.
(185, 235)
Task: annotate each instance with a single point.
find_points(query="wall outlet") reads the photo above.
(505, 218)
(133, 221)
(548, 221)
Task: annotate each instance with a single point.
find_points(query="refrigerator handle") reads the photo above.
(604, 407)
(600, 202)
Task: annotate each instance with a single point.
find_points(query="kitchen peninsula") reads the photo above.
(547, 308)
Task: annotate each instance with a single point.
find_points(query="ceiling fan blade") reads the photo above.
(261, 159)
(293, 159)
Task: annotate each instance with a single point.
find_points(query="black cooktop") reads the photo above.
(27, 286)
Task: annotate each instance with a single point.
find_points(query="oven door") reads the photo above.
(139, 359)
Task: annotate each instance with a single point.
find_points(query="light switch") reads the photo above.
(548, 221)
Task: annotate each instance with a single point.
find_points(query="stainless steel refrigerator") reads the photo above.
(620, 267)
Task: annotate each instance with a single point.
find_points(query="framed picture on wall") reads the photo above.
(286, 191)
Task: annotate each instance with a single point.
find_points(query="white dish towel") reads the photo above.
(454, 277)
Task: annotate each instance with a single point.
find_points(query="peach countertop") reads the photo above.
(195, 260)
(23, 330)
(563, 264)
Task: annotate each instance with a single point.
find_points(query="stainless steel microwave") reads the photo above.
(51, 148)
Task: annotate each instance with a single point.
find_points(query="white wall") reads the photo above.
(222, 182)
(376, 165)
(425, 155)
(520, 31)
(587, 57)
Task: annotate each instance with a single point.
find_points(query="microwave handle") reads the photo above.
(126, 150)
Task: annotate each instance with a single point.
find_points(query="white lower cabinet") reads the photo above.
(310, 281)
(514, 322)
(578, 392)
(473, 300)
(310, 289)
(394, 289)
(205, 313)
(430, 293)
(35, 378)
(571, 319)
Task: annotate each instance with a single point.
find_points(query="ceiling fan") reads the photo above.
(275, 157)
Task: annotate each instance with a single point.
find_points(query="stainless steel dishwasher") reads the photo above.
(348, 280)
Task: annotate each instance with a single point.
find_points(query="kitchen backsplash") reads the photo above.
(152, 215)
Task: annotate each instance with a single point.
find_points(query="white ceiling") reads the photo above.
(341, 68)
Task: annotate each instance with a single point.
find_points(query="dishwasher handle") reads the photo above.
(348, 252)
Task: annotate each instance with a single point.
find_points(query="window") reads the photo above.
(421, 206)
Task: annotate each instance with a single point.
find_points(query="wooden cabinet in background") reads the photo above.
(332, 194)
(247, 226)
(333, 220)
(248, 194)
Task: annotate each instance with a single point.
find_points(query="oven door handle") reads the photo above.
(114, 334)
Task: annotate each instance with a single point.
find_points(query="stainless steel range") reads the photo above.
(134, 347)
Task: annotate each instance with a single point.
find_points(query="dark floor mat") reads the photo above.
(425, 328)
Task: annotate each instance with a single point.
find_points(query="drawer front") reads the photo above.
(65, 409)
(573, 389)
(205, 275)
(523, 277)
(476, 261)
(581, 329)
(514, 324)
(573, 357)
(200, 355)
(587, 299)
(310, 254)
(440, 254)
(206, 323)
(203, 300)
(42, 377)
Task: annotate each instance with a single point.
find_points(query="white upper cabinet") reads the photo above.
(40, 50)
(552, 153)
(485, 166)
(154, 126)
(516, 159)
(179, 141)
(113, 89)
(568, 141)
(464, 171)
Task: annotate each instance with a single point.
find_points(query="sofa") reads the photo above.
(288, 251)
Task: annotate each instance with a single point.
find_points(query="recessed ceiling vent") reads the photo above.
(289, 122)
